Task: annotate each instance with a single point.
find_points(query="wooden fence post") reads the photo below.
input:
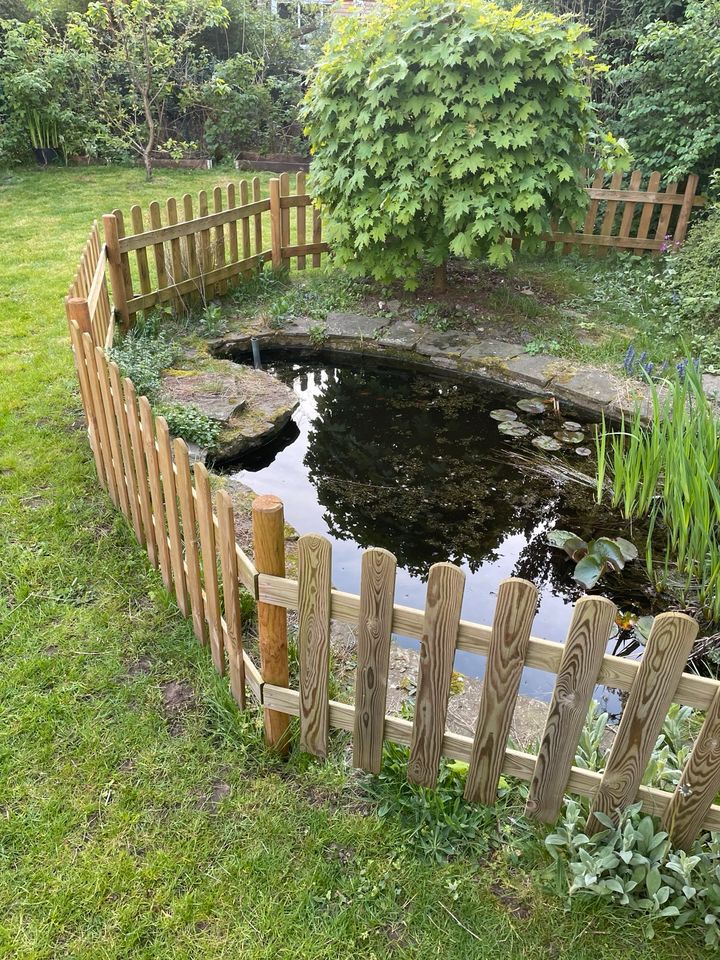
(269, 548)
(275, 224)
(117, 278)
(79, 310)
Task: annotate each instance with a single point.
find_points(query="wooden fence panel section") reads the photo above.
(512, 623)
(314, 571)
(377, 591)
(190, 539)
(668, 648)
(446, 584)
(585, 645)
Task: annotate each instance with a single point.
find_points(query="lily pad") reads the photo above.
(629, 550)
(569, 436)
(572, 425)
(643, 626)
(531, 405)
(503, 416)
(513, 428)
(583, 451)
(544, 442)
(574, 546)
(588, 571)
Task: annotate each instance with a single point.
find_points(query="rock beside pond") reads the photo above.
(251, 406)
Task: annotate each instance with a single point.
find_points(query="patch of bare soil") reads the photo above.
(178, 698)
(512, 903)
(211, 800)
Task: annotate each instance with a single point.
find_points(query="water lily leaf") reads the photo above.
(572, 426)
(531, 405)
(513, 428)
(574, 546)
(546, 443)
(629, 550)
(583, 451)
(643, 626)
(503, 415)
(588, 571)
(609, 551)
(569, 436)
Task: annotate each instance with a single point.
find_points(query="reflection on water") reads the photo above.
(416, 465)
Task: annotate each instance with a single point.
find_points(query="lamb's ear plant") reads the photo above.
(632, 864)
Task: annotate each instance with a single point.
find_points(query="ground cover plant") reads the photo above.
(140, 816)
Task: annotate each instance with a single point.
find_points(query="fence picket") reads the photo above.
(147, 422)
(445, 587)
(245, 225)
(231, 599)
(257, 196)
(647, 210)
(666, 211)
(136, 217)
(191, 250)
(300, 212)
(84, 374)
(108, 415)
(592, 211)
(178, 273)
(232, 226)
(285, 217)
(316, 233)
(629, 209)
(208, 551)
(141, 471)
(190, 539)
(219, 246)
(699, 783)
(686, 208)
(514, 613)
(583, 653)
(377, 591)
(167, 475)
(158, 248)
(127, 282)
(128, 467)
(666, 653)
(314, 571)
(204, 248)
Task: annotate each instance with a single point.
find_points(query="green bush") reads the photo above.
(633, 865)
(696, 281)
(441, 128)
(189, 422)
(669, 94)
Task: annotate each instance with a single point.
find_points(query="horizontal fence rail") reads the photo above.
(189, 535)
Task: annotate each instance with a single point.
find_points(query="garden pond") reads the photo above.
(437, 469)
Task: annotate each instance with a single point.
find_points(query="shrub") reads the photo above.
(142, 355)
(189, 422)
(632, 864)
(442, 128)
(670, 94)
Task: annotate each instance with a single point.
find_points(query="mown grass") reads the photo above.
(126, 829)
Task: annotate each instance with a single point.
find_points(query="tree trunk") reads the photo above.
(440, 278)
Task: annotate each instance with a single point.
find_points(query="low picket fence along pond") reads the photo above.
(186, 532)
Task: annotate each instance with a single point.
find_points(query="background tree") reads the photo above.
(443, 127)
(148, 64)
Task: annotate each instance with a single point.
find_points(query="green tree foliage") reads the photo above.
(442, 128)
(669, 94)
(147, 63)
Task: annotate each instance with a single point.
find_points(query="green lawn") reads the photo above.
(132, 829)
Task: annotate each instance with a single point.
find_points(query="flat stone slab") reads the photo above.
(711, 383)
(251, 406)
(352, 325)
(401, 335)
(492, 349)
(446, 343)
(217, 393)
(597, 385)
(536, 370)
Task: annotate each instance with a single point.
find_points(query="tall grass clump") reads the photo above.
(666, 468)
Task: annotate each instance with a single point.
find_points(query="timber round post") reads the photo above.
(269, 550)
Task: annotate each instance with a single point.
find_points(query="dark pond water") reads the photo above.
(401, 460)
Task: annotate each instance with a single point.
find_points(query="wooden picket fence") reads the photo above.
(157, 258)
(190, 536)
(623, 217)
